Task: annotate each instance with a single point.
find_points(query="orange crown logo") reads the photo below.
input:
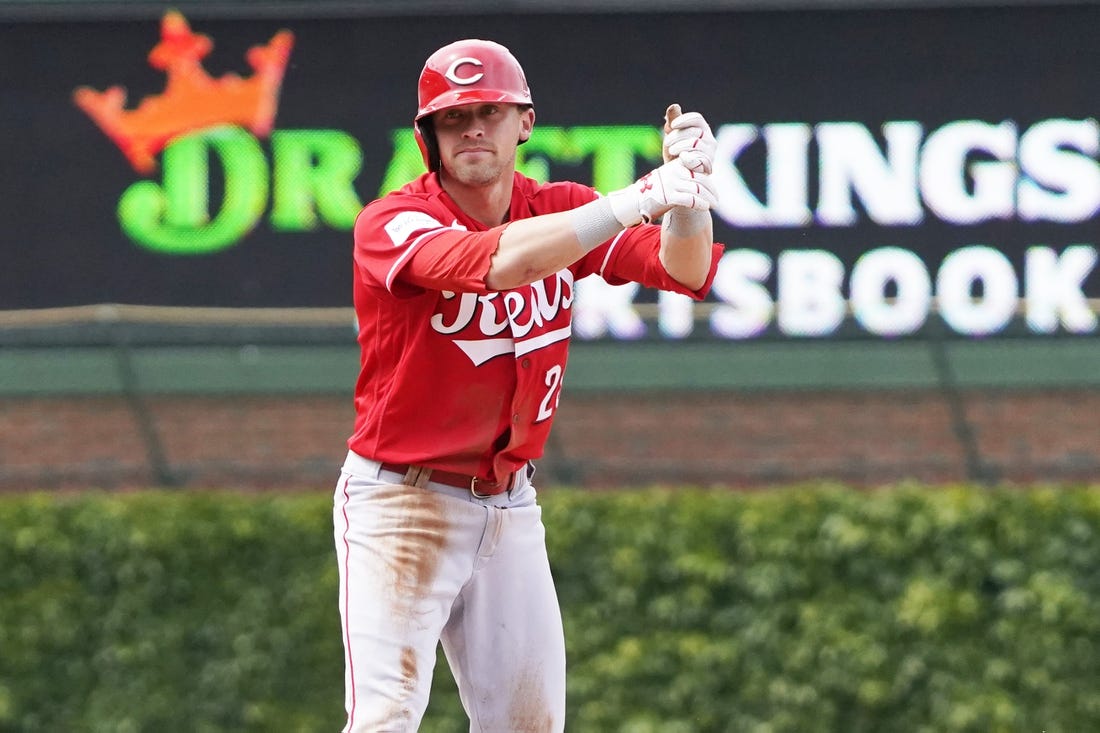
(192, 100)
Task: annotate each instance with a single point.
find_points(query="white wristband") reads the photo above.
(626, 206)
(594, 223)
(684, 222)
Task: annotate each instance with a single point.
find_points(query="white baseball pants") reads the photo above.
(419, 566)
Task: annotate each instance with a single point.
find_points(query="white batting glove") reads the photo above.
(656, 192)
(689, 138)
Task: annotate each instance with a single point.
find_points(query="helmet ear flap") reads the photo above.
(425, 139)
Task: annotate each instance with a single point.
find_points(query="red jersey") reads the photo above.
(454, 376)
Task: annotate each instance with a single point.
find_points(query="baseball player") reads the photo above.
(464, 285)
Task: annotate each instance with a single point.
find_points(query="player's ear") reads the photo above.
(527, 119)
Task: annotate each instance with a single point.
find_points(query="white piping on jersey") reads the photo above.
(607, 257)
(397, 265)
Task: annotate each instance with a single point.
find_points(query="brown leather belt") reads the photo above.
(479, 487)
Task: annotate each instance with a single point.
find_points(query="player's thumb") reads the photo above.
(671, 113)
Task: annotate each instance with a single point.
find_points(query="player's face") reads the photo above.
(477, 142)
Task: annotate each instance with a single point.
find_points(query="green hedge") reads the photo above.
(803, 609)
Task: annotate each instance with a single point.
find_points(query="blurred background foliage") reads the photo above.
(811, 608)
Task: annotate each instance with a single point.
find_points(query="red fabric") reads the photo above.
(453, 376)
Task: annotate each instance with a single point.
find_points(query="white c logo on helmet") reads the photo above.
(452, 71)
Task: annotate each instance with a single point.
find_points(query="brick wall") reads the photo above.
(738, 439)
(859, 437)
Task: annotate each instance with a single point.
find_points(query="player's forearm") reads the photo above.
(687, 237)
(531, 249)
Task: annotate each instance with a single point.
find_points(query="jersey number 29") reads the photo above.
(553, 393)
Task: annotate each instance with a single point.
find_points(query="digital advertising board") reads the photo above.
(878, 170)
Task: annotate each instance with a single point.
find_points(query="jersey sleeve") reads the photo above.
(405, 247)
(634, 256)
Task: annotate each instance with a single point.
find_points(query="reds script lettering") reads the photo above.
(537, 316)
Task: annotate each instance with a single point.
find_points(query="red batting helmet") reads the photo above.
(462, 73)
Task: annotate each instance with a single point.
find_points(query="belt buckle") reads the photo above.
(473, 489)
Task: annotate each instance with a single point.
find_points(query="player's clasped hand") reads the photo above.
(689, 138)
(673, 184)
(683, 181)
(658, 191)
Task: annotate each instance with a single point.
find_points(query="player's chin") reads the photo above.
(480, 173)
